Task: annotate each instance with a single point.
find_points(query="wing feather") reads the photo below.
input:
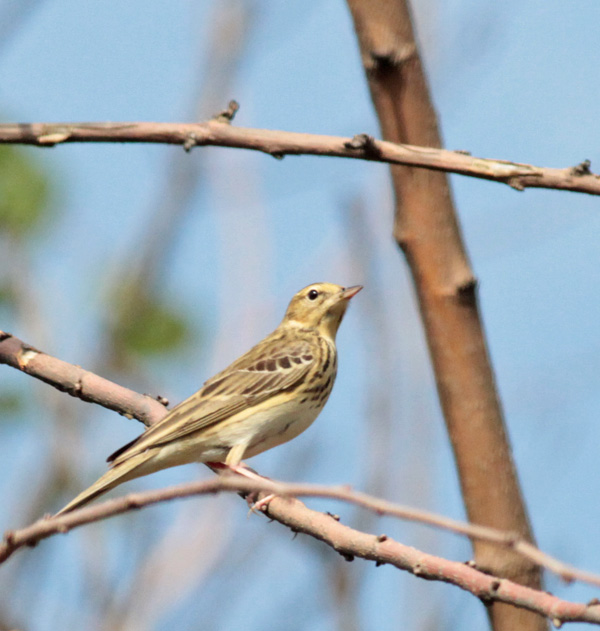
(269, 368)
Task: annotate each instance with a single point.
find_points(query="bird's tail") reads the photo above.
(126, 470)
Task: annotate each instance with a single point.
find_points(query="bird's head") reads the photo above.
(320, 306)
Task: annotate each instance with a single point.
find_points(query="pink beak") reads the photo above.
(349, 292)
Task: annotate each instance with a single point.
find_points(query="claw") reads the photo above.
(257, 507)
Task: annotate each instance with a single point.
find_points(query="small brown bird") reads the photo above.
(265, 398)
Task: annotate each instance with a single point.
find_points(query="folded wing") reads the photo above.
(265, 371)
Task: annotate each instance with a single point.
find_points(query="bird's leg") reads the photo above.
(263, 501)
(244, 470)
(247, 472)
(234, 463)
(241, 469)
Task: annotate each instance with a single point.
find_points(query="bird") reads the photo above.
(265, 398)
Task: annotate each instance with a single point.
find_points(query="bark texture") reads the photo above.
(426, 228)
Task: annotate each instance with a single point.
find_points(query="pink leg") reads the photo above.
(242, 469)
(258, 505)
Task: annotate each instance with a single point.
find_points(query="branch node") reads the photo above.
(495, 586)
(382, 538)
(158, 397)
(463, 152)
(465, 290)
(379, 563)
(77, 390)
(516, 183)
(593, 603)
(557, 622)
(471, 563)
(227, 115)
(9, 538)
(388, 59)
(49, 140)
(364, 143)
(190, 142)
(133, 501)
(25, 355)
(467, 285)
(4, 336)
(333, 516)
(278, 155)
(583, 168)
(347, 556)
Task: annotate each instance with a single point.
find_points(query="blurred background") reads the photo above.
(156, 268)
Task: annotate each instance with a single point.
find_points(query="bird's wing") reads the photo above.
(268, 369)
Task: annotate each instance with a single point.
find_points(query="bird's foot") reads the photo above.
(256, 506)
(259, 505)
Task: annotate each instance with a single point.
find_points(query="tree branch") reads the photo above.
(92, 388)
(78, 382)
(217, 132)
(348, 542)
(292, 513)
(427, 230)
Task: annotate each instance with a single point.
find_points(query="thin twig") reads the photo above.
(92, 388)
(348, 542)
(293, 513)
(577, 179)
(52, 525)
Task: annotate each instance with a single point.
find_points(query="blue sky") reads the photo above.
(513, 81)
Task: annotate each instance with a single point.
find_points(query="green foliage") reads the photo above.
(157, 329)
(7, 295)
(11, 403)
(24, 192)
(148, 325)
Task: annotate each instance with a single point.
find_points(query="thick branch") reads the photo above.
(426, 229)
(578, 179)
(348, 542)
(78, 382)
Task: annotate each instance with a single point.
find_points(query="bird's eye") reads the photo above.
(313, 294)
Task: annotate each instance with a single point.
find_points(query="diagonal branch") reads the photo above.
(218, 132)
(95, 389)
(348, 542)
(77, 382)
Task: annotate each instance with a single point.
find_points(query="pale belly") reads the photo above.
(259, 432)
(282, 425)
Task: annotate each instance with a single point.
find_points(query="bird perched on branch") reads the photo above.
(265, 398)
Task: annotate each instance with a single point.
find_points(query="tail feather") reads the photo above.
(127, 470)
